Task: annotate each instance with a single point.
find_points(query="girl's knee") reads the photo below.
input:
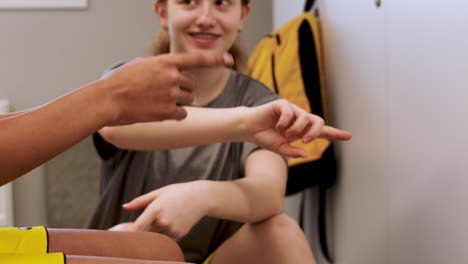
(279, 227)
(167, 248)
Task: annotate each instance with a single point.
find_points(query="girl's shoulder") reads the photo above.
(241, 79)
(250, 90)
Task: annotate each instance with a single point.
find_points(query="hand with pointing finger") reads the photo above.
(155, 88)
(172, 210)
(275, 125)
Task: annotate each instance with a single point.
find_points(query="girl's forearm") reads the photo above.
(202, 126)
(235, 200)
(253, 198)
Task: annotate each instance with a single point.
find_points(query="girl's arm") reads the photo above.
(174, 209)
(257, 196)
(272, 126)
(202, 126)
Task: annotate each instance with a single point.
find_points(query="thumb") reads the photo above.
(140, 202)
(291, 151)
(129, 226)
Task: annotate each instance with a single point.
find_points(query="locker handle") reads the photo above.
(378, 3)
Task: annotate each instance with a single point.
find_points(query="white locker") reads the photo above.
(428, 75)
(355, 47)
(398, 77)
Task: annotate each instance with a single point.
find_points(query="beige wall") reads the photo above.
(47, 53)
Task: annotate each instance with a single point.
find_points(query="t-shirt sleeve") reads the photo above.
(257, 94)
(105, 149)
(249, 148)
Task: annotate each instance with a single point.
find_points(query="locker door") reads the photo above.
(355, 56)
(428, 95)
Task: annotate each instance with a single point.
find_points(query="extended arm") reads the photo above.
(202, 126)
(31, 138)
(272, 126)
(146, 89)
(174, 209)
(2, 116)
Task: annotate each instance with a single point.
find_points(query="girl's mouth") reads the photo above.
(205, 36)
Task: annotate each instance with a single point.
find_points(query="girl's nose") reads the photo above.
(206, 16)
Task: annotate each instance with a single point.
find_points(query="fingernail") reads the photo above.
(228, 59)
(307, 140)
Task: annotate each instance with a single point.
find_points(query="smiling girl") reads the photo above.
(222, 202)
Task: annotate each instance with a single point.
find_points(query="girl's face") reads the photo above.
(202, 25)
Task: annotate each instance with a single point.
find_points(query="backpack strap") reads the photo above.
(308, 5)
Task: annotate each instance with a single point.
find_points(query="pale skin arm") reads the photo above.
(267, 126)
(174, 209)
(253, 198)
(146, 89)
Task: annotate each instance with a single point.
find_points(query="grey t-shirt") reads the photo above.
(128, 174)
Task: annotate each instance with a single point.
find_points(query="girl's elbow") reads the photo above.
(106, 133)
(277, 208)
(274, 208)
(110, 135)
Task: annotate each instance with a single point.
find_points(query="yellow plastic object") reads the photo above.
(23, 240)
(53, 258)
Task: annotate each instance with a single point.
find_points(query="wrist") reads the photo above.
(103, 94)
(205, 194)
(244, 132)
(98, 104)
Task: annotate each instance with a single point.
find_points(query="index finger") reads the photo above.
(335, 133)
(143, 222)
(195, 60)
(140, 202)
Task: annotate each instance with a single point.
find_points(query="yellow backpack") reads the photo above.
(285, 62)
(289, 62)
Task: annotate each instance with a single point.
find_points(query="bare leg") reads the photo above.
(131, 245)
(275, 240)
(103, 260)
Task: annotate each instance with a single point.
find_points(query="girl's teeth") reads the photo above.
(204, 36)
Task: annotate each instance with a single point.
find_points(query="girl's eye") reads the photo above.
(188, 2)
(222, 2)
